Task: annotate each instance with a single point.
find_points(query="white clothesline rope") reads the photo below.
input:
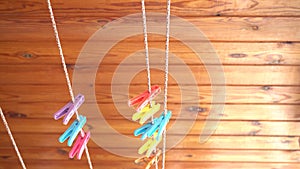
(146, 49)
(166, 78)
(166, 66)
(66, 72)
(146, 44)
(147, 60)
(12, 139)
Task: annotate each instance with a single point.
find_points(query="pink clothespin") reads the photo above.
(79, 145)
(69, 109)
(143, 99)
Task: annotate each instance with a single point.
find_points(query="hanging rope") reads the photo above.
(147, 59)
(12, 139)
(166, 65)
(146, 49)
(166, 78)
(146, 44)
(66, 73)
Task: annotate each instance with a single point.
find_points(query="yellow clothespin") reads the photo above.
(150, 145)
(149, 160)
(139, 114)
(146, 112)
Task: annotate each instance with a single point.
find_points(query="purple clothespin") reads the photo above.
(69, 109)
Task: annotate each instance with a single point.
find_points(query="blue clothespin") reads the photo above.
(73, 130)
(142, 129)
(69, 109)
(149, 129)
(149, 133)
(163, 124)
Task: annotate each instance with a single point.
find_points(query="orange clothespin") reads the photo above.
(149, 160)
(143, 99)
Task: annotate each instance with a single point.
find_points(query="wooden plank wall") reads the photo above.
(258, 42)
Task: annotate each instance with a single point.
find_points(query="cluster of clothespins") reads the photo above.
(145, 109)
(75, 128)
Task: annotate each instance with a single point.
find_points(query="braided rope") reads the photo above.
(166, 66)
(12, 139)
(66, 73)
(166, 78)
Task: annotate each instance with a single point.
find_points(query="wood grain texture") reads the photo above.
(230, 53)
(234, 94)
(246, 128)
(179, 8)
(71, 164)
(257, 42)
(253, 29)
(191, 141)
(276, 156)
(261, 112)
(200, 75)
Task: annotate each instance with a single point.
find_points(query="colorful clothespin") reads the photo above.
(69, 109)
(153, 159)
(150, 145)
(143, 99)
(73, 130)
(148, 129)
(146, 112)
(79, 145)
(149, 160)
(158, 124)
(164, 123)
